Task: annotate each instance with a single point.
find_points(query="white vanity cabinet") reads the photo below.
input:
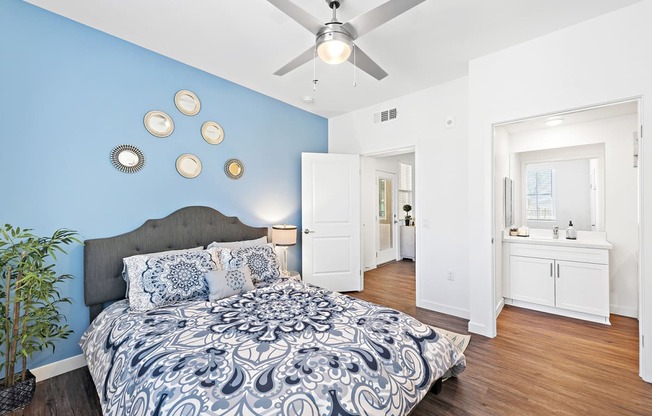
(565, 280)
(408, 242)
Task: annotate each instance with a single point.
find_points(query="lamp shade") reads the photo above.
(284, 235)
(334, 47)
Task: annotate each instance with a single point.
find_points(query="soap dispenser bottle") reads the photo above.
(571, 233)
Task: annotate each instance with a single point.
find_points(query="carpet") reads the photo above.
(460, 341)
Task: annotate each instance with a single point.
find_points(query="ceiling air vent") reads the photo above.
(385, 115)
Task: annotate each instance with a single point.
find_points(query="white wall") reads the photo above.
(602, 60)
(440, 174)
(501, 170)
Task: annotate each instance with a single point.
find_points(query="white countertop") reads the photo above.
(585, 239)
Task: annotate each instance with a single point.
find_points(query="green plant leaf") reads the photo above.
(28, 284)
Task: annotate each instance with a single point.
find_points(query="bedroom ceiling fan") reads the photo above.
(334, 40)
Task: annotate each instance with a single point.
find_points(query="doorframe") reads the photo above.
(642, 356)
(417, 197)
(394, 221)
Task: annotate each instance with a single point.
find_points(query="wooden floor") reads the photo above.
(538, 365)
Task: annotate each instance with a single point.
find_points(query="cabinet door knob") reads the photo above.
(550, 269)
(557, 270)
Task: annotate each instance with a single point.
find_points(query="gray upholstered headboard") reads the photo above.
(186, 228)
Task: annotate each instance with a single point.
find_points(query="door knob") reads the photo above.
(307, 231)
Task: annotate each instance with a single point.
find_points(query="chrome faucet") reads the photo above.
(555, 232)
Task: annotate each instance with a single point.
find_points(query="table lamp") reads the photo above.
(284, 236)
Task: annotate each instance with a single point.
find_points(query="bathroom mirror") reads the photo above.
(127, 158)
(556, 192)
(188, 166)
(158, 123)
(234, 168)
(187, 102)
(212, 132)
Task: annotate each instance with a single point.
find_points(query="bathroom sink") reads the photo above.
(542, 237)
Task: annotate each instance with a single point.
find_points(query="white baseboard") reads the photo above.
(59, 367)
(624, 311)
(500, 306)
(448, 310)
(561, 312)
(480, 329)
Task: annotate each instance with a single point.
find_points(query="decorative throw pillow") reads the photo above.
(158, 281)
(239, 244)
(225, 283)
(159, 254)
(262, 262)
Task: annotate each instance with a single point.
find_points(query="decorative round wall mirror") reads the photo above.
(158, 123)
(212, 132)
(234, 168)
(188, 166)
(127, 158)
(187, 102)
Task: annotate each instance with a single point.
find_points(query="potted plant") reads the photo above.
(407, 208)
(31, 320)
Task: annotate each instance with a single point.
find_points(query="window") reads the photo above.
(540, 197)
(404, 186)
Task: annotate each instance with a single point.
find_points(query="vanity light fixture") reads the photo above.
(554, 121)
(284, 236)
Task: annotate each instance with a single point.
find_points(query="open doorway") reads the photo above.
(577, 166)
(388, 186)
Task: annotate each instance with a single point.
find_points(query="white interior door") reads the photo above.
(386, 218)
(330, 216)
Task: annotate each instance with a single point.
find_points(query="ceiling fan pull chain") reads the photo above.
(355, 84)
(314, 70)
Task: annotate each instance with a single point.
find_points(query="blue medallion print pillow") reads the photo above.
(262, 262)
(229, 282)
(157, 281)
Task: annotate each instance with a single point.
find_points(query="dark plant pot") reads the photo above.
(17, 396)
(407, 222)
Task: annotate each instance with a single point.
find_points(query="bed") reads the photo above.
(283, 348)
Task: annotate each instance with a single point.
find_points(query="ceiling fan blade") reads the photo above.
(365, 63)
(366, 22)
(299, 15)
(297, 62)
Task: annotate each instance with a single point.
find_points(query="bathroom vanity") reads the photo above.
(560, 276)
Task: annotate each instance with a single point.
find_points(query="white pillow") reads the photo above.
(225, 283)
(239, 244)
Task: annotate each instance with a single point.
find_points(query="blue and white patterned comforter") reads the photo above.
(285, 349)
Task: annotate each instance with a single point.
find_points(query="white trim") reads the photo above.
(624, 311)
(59, 367)
(559, 311)
(479, 329)
(439, 307)
(499, 306)
(391, 152)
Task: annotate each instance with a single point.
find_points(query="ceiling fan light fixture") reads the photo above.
(334, 47)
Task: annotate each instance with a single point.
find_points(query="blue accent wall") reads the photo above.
(70, 94)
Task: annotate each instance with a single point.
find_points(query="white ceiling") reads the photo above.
(245, 41)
